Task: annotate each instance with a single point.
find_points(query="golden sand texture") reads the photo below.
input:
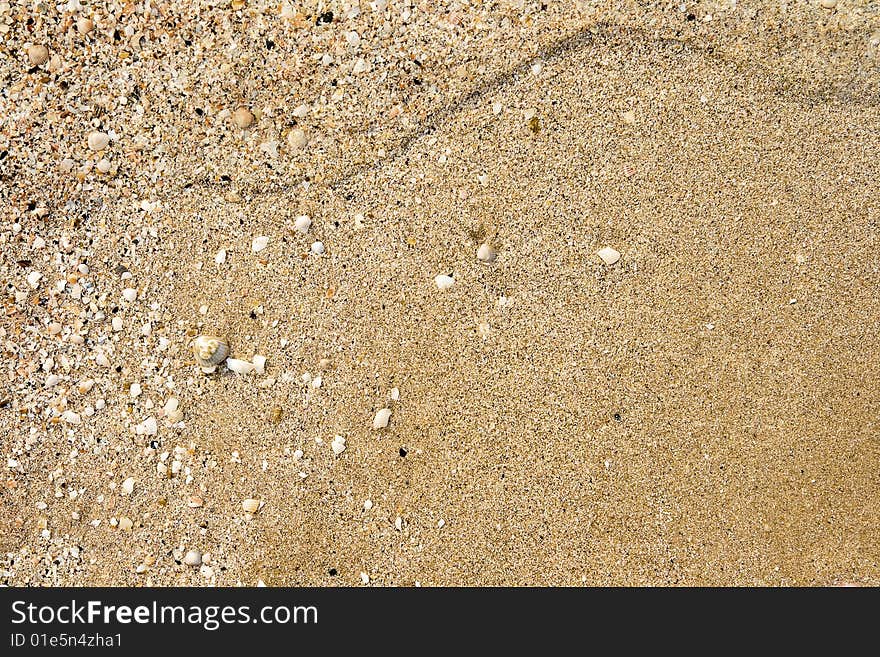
(702, 411)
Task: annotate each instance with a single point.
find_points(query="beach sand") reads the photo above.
(703, 411)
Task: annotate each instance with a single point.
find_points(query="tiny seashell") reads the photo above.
(301, 224)
(382, 418)
(338, 445)
(250, 505)
(259, 243)
(317, 248)
(239, 366)
(297, 139)
(98, 141)
(259, 364)
(444, 282)
(210, 350)
(128, 486)
(609, 256)
(486, 253)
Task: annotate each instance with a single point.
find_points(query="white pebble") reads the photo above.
(193, 558)
(148, 427)
(259, 243)
(250, 505)
(382, 418)
(220, 258)
(239, 366)
(128, 486)
(135, 390)
(444, 282)
(395, 394)
(338, 445)
(609, 256)
(365, 578)
(52, 380)
(129, 294)
(103, 165)
(259, 364)
(368, 504)
(33, 279)
(317, 248)
(398, 523)
(117, 324)
(301, 224)
(297, 139)
(298, 454)
(317, 382)
(359, 66)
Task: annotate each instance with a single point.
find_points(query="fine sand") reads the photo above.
(703, 411)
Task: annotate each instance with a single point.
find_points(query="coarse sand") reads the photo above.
(697, 406)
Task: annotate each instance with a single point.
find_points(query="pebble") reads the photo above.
(220, 258)
(380, 421)
(117, 324)
(259, 364)
(368, 504)
(38, 55)
(125, 524)
(135, 390)
(317, 248)
(486, 253)
(129, 294)
(71, 418)
(98, 141)
(242, 118)
(250, 505)
(301, 224)
(148, 427)
(85, 25)
(365, 578)
(609, 256)
(239, 366)
(828, 4)
(395, 394)
(193, 558)
(259, 243)
(103, 165)
(33, 279)
(338, 445)
(444, 282)
(128, 486)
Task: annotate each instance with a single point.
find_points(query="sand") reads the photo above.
(703, 411)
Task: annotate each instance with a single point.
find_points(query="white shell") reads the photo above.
(259, 364)
(382, 418)
(250, 505)
(485, 253)
(301, 224)
(98, 141)
(444, 282)
(297, 139)
(338, 445)
(317, 248)
(609, 256)
(239, 366)
(210, 350)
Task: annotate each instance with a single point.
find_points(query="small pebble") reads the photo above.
(193, 558)
(259, 364)
(380, 421)
(220, 258)
(103, 165)
(338, 445)
(128, 486)
(125, 524)
(368, 504)
(317, 248)
(117, 324)
(250, 505)
(33, 279)
(259, 243)
(129, 294)
(242, 118)
(444, 282)
(609, 256)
